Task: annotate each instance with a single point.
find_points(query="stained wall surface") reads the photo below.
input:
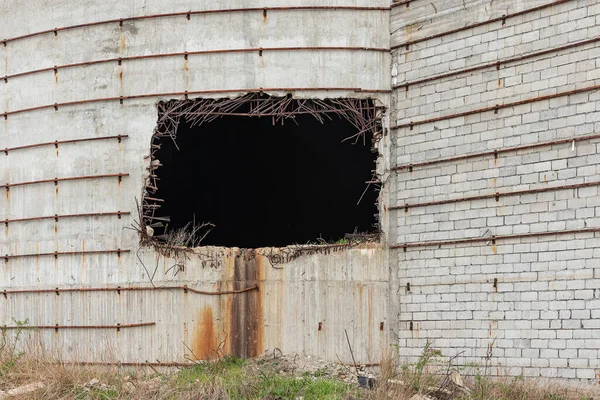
(496, 115)
(102, 81)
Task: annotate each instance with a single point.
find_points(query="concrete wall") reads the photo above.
(534, 296)
(342, 290)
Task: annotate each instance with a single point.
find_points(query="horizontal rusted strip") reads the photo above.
(56, 217)
(489, 21)
(57, 142)
(275, 114)
(492, 239)
(496, 152)
(367, 365)
(497, 64)
(118, 326)
(56, 180)
(120, 289)
(485, 279)
(130, 364)
(258, 50)
(498, 107)
(187, 93)
(190, 13)
(401, 3)
(497, 195)
(64, 253)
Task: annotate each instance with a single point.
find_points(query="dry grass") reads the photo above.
(402, 382)
(232, 378)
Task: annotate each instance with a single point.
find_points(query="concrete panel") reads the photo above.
(344, 290)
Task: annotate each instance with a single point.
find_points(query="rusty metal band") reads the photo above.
(185, 54)
(6, 150)
(117, 326)
(119, 364)
(56, 217)
(56, 180)
(496, 152)
(489, 21)
(497, 107)
(401, 3)
(497, 64)
(485, 280)
(187, 93)
(120, 289)
(190, 13)
(492, 239)
(497, 195)
(55, 254)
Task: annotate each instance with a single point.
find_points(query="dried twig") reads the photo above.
(351, 352)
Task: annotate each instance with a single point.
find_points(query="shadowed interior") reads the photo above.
(265, 185)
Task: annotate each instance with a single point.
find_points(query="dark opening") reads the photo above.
(265, 185)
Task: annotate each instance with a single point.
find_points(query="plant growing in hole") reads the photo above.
(8, 347)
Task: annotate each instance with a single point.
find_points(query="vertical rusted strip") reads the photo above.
(246, 311)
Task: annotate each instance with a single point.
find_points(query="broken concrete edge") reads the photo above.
(366, 113)
(276, 255)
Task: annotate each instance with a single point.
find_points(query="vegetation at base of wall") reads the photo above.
(36, 374)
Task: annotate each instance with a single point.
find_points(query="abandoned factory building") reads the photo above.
(187, 179)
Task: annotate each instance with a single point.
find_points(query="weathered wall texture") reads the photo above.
(533, 294)
(492, 161)
(344, 290)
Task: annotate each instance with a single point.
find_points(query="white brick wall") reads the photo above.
(548, 74)
(537, 297)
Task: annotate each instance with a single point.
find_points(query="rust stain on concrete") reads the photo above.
(246, 322)
(205, 340)
(123, 45)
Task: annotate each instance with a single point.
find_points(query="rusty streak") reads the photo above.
(276, 114)
(56, 180)
(492, 238)
(367, 365)
(63, 216)
(497, 64)
(489, 21)
(129, 364)
(118, 326)
(495, 152)
(401, 3)
(57, 142)
(119, 289)
(497, 195)
(186, 13)
(64, 253)
(186, 54)
(498, 107)
(186, 93)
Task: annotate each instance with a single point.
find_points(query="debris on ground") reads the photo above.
(21, 390)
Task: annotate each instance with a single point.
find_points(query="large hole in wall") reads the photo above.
(274, 179)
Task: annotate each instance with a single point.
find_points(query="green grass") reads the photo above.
(240, 383)
(286, 387)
